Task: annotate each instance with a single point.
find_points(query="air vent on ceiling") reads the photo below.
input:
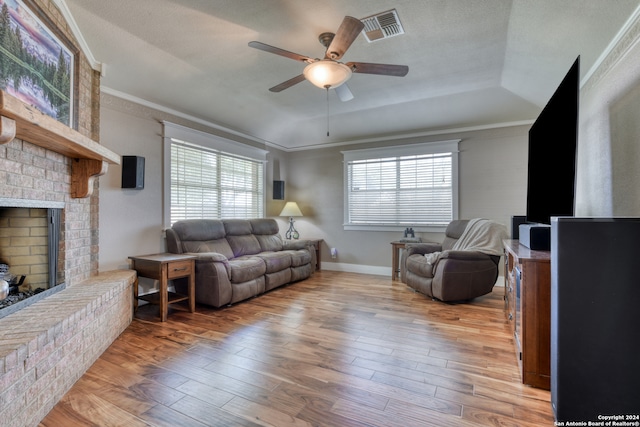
(382, 26)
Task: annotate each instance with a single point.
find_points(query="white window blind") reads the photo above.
(401, 186)
(206, 182)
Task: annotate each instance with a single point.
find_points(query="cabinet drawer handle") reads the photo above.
(180, 269)
(510, 316)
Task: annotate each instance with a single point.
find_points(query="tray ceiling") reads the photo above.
(471, 63)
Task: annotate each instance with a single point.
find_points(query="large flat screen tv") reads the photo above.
(553, 143)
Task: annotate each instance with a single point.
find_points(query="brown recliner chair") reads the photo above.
(455, 275)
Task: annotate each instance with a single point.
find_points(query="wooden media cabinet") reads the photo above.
(528, 310)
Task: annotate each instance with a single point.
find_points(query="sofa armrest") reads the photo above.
(464, 255)
(173, 241)
(213, 284)
(422, 248)
(303, 244)
(296, 244)
(416, 249)
(210, 256)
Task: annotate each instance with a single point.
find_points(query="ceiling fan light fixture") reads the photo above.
(327, 73)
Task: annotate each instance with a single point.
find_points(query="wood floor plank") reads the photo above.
(164, 416)
(205, 392)
(253, 411)
(101, 412)
(338, 349)
(210, 415)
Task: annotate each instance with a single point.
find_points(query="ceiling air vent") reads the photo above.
(382, 26)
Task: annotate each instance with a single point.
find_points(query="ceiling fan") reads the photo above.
(328, 72)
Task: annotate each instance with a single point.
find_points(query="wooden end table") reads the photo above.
(317, 243)
(165, 267)
(395, 259)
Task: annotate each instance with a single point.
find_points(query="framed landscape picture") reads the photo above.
(36, 66)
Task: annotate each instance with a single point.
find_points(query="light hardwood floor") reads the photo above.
(339, 349)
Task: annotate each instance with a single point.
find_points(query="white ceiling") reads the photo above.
(471, 62)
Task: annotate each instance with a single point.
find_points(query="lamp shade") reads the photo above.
(291, 209)
(327, 73)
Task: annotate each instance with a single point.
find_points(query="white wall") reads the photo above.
(609, 133)
(130, 220)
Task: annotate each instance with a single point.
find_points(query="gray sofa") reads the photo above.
(239, 259)
(455, 275)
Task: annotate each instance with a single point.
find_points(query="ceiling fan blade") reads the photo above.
(344, 93)
(383, 69)
(346, 34)
(284, 85)
(281, 52)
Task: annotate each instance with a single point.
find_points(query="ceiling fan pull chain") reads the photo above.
(327, 87)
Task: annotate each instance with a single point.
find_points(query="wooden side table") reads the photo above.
(316, 244)
(165, 267)
(395, 259)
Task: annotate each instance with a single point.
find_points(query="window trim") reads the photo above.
(451, 146)
(208, 140)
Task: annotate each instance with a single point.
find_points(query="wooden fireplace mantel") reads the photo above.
(91, 159)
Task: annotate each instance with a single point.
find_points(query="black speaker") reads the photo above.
(516, 220)
(133, 172)
(536, 237)
(595, 320)
(278, 190)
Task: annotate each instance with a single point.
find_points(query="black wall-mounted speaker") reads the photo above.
(278, 190)
(133, 172)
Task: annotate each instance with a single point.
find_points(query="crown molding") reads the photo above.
(624, 41)
(146, 108)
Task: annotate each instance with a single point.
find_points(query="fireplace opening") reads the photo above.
(30, 262)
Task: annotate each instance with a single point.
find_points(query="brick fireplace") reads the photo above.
(30, 245)
(47, 346)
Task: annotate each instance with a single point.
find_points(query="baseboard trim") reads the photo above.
(357, 268)
(375, 270)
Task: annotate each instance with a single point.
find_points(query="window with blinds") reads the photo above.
(207, 182)
(401, 186)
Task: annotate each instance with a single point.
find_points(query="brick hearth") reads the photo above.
(46, 347)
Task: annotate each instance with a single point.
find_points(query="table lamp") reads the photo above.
(291, 209)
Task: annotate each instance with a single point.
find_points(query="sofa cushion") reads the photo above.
(453, 232)
(244, 245)
(246, 268)
(237, 227)
(269, 242)
(266, 231)
(202, 235)
(240, 237)
(275, 261)
(264, 226)
(199, 229)
(220, 246)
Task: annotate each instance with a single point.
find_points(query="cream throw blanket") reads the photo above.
(480, 235)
